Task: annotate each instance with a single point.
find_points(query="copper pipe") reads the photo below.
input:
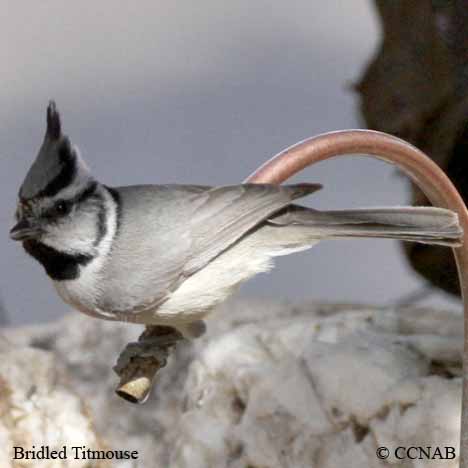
(419, 168)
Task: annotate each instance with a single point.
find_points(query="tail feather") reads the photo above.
(418, 224)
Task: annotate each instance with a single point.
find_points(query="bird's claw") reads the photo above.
(150, 345)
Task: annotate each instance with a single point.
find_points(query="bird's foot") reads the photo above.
(154, 343)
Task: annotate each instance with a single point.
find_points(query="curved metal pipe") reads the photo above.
(419, 168)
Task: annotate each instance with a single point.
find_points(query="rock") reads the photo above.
(270, 385)
(39, 408)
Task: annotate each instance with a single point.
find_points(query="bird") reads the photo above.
(168, 255)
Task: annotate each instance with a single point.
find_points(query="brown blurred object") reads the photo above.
(416, 87)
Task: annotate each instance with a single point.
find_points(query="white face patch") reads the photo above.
(73, 234)
(84, 291)
(82, 227)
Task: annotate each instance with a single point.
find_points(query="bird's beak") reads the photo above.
(24, 230)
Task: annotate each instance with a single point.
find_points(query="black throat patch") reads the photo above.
(58, 265)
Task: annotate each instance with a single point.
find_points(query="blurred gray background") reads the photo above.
(197, 92)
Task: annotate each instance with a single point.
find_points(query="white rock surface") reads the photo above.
(39, 408)
(270, 385)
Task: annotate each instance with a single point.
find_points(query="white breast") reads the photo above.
(83, 292)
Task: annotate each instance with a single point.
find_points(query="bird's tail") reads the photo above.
(419, 224)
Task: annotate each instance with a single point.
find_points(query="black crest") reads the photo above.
(54, 125)
(56, 165)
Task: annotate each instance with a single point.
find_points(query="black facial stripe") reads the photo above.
(65, 151)
(53, 213)
(102, 220)
(58, 265)
(62, 180)
(118, 202)
(88, 192)
(102, 226)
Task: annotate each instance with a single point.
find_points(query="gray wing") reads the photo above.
(168, 232)
(229, 212)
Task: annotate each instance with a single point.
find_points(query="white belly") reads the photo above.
(83, 292)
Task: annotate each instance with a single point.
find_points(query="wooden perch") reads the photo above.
(139, 362)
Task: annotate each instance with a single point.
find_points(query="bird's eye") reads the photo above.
(62, 208)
